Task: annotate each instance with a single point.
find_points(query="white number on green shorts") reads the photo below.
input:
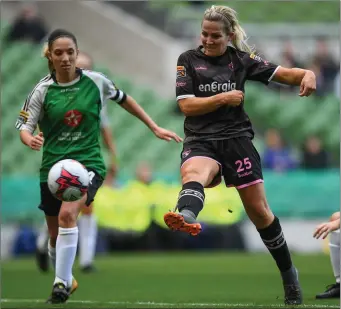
(91, 176)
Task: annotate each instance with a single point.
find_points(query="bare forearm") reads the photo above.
(291, 77)
(133, 108)
(26, 137)
(199, 106)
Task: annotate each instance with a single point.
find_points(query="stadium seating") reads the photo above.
(257, 12)
(297, 118)
(22, 63)
(23, 66)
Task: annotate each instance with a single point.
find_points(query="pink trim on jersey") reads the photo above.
(250, 183)
(200, 157)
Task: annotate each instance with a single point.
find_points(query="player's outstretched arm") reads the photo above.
(135, 109)
(34, 142)
(306, 79)
(194, 106)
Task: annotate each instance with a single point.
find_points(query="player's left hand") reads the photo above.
(323, 230)
(308, 84)
(166, 135)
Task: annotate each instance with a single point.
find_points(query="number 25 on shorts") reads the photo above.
(244, 164)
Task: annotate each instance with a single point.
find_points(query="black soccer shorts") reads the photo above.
(51, 205)
(238, 159)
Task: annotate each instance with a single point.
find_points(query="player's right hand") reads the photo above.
(37, 141)
(233, 98)
(166, 135)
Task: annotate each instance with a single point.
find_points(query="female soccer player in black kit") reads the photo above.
(210, 92)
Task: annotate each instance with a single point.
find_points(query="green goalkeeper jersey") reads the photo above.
(69, 117)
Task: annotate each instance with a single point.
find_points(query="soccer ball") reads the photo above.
(68, 180)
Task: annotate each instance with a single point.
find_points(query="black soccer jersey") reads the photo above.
(199, 75)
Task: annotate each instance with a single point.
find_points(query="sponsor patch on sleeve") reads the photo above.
(22, 118)
(259, 59)
(180, 71)
(255, 57)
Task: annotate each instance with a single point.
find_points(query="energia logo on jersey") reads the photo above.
(217, 87)
(73, 118)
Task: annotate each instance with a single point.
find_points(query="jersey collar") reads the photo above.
(79, 73)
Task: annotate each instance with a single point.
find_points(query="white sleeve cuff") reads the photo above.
(273, 74)
(185, 96)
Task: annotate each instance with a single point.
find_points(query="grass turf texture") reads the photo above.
(171, 280)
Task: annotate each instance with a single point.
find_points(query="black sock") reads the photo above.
(274, 240)
(191, 197)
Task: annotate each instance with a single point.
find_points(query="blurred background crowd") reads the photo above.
(30, 25)
(137, 45)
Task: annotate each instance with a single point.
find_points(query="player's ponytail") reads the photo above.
(46, 55)
(239, 39)
(228, 17)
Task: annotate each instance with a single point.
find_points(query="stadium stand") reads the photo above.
(181, 19)
(23, 66)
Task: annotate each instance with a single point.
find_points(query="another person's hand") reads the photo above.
(166, 134)
(325, 228)
(37, 141)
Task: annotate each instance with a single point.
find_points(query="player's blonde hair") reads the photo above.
(228, 17)
(46, 55)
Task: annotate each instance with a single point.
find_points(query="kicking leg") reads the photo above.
(196, 173)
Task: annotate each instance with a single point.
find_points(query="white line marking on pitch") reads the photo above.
(7, 300)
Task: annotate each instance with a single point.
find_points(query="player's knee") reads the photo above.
(262, 209)
(335, 216)
(261, 212)
(203, 176)
(190, 173)
(67, 217)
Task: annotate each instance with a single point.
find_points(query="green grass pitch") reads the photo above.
(171, 280)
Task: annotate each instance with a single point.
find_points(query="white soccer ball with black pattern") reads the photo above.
(68, 180)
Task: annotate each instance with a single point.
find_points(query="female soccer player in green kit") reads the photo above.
(87, 223)
(66, 104)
